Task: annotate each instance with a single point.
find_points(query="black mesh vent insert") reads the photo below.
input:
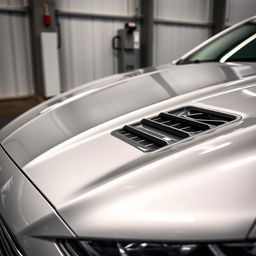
(170, 127)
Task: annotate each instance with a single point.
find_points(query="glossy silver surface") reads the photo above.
(29, 217)
(66, 116)
(72, 178)
(202, 188)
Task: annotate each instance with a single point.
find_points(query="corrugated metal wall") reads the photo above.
(99, 6)
(171, 41)
(15, 54)
(13, 3)
(238, 10)
(86, 52)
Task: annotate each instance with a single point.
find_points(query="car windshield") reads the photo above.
(237, 45)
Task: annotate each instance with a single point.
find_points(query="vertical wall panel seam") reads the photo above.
(14, 55)
(93, 49)
(28, 65)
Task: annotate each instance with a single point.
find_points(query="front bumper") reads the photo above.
(30, 225)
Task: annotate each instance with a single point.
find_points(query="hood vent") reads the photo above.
(170, 127)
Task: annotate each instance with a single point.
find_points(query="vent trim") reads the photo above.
(172, 126)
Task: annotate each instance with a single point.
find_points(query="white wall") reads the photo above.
(193, 10)
(15, 55)
(172, 41)
(238, 10)
(99, 6)
(86, 52)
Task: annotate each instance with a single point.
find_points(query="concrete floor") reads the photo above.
(12, 108)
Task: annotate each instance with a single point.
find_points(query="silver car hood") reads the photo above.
(200, 189)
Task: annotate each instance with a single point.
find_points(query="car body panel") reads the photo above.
(109, 189)
(30, 218)
(63, 117)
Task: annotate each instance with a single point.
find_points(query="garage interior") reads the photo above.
(49, 47)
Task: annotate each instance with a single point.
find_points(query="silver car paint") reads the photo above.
(52, 123)
(30, 218)
(194, 189)
(97, 186)
(174, 79)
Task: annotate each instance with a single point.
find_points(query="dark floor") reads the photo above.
(12, 108)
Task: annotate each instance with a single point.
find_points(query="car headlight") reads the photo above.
(111, 248)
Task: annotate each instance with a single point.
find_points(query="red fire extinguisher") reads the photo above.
(46, 15)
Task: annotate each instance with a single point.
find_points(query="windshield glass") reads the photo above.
(238, 44)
